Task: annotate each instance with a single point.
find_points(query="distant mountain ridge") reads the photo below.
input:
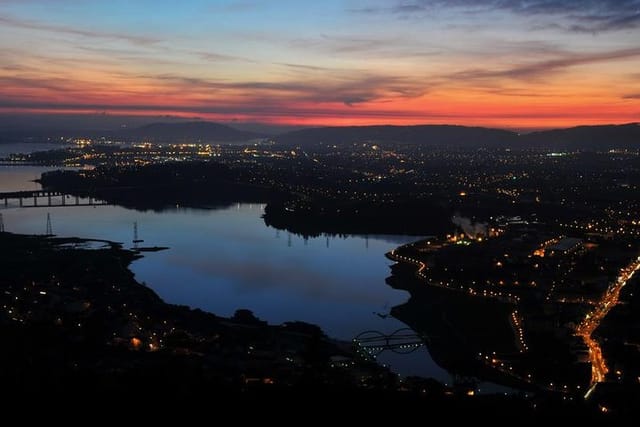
(189, 131)
(194, 131)
(432, 135)
(452, 136)
(582, 137)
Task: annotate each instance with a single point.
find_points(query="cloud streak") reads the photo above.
(42, 26)
(221, 57)
(590, 16)
(345, 87)
(200, 95)
(541, 69)
(369, 46)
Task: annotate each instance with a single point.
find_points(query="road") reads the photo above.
(592, 321)
(423, 268)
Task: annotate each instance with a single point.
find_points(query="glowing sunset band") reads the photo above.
(481, 62)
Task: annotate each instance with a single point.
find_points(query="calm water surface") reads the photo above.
(222, 260)
(15, 178)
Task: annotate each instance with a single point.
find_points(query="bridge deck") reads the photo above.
(52, 199)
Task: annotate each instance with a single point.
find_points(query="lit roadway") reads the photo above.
(421, 273)
(592, 320)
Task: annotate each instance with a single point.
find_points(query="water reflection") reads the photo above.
(17, 178)
(222, 260)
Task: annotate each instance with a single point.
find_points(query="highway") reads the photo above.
(592, 321)
(584, 329)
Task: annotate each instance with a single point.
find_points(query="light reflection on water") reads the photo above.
(16, 178)
(222, 260)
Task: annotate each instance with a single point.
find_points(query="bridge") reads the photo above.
(402, 341)
(47, 198)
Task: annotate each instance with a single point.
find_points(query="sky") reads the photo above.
(500, 63)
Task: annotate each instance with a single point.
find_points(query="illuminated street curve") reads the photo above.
(592, 321)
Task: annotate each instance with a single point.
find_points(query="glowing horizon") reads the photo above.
(509, 64)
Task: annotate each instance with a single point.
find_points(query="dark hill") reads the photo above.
(586, 137)
(189, 132)
(448, 136)
(431, 135)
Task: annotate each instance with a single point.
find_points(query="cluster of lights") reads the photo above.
(494, 362)
(595, 228)
(422, 268)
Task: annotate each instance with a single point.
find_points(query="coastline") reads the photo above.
(81, 325)
(104, 320)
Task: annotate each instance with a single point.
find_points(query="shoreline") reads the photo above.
(86, 287)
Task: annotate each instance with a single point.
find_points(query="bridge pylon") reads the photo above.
(49, 231)
(136, 240)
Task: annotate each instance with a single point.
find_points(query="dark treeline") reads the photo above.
(161, 186)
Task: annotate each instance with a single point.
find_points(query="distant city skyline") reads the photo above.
(508, 64)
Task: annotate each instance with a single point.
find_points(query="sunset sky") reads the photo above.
(502, 63)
